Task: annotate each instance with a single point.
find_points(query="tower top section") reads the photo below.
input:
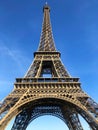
(46, 39)
(46, 7)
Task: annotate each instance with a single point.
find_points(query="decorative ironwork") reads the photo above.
(47, 88)
(46, 41)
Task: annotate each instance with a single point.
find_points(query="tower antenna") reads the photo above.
(46, 3)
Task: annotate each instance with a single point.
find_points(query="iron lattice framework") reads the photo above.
(59, 95)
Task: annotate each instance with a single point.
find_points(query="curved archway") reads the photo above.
(48, 106)
(30, 112)
(47, 122)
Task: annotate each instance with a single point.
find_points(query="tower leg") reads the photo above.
(21, 121)
(72, 119)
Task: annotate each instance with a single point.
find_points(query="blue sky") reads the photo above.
(75, 31)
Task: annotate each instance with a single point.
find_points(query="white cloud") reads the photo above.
(5, 82)
(15, 54)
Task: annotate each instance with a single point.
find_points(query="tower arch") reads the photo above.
(60, 95)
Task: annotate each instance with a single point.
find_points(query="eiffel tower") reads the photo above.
(47, 88)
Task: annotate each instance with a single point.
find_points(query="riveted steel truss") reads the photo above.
(46, 40)
(64, 93)
(59, 94)
(47, 62)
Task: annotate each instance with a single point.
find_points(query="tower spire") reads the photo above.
(46, 3)
(46, 40)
